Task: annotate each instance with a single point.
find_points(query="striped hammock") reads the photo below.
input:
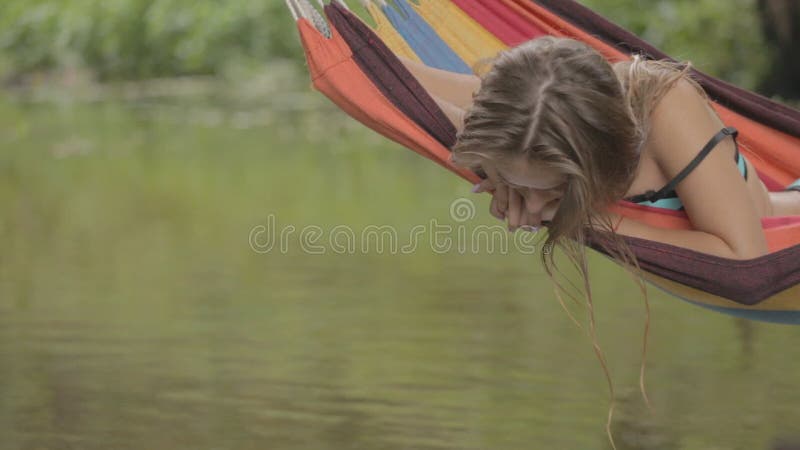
(356, 66)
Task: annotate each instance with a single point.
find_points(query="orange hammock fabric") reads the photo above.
(766, 288)
(335, 74)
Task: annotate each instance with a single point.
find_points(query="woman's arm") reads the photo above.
(715, 196)
(700, 241)
(453, 112)
(454, 88)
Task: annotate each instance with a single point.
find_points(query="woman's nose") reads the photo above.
(535, 201)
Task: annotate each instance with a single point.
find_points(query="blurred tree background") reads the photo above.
(721, 38)
(747, 42)
(140, 39)
(780, 21)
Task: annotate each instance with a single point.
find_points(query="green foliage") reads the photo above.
(722, 38)
(134, 39)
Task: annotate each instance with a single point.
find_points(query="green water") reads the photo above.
(136, 314)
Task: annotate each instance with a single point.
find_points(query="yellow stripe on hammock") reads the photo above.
(387, 33)
(461, 32)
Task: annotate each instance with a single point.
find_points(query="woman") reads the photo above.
(562, 134)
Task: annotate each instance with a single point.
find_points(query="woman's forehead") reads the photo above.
(521, 171)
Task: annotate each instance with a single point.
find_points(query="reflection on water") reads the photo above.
(134, 314)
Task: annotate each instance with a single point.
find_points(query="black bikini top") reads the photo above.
(668, 191)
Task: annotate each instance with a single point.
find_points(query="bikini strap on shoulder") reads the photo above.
(664, 192)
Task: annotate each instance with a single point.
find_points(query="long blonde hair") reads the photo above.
(559, 103)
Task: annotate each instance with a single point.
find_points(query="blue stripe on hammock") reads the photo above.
(422, 38)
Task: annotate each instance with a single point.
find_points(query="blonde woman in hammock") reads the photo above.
(562, 134)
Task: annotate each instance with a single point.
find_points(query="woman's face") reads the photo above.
(540, 188)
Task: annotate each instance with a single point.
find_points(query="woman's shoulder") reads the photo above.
(683, 110)
(686, 145)
(646, 82)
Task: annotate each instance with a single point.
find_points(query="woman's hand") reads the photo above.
(509, 204)
(499, 205)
